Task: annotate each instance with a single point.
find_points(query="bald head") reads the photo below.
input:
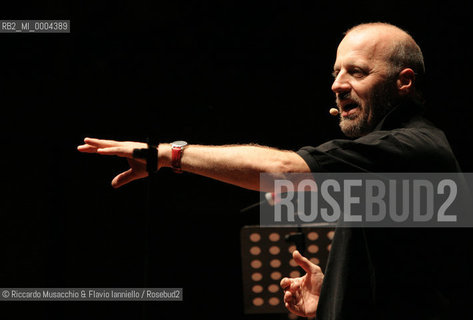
(394, 44)
(376, 68)
(380, 27)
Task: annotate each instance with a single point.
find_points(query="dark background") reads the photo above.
(207, 72)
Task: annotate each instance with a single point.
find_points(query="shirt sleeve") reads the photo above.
(379, 151)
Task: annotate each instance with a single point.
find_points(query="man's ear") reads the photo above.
(405, 81)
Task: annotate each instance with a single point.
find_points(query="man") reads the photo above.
(376, 76)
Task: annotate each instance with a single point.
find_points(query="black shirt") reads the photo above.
(392, 273)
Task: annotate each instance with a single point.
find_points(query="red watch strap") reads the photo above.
(176, 159)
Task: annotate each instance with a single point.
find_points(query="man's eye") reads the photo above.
(357, 73)
(335, 73)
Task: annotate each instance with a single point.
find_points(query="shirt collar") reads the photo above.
(399, 115)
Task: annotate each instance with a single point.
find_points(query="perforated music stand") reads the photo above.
(267, 258)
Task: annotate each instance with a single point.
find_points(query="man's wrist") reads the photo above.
(165, 155)
(177, 148)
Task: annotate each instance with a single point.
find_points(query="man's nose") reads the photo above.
(340, 84)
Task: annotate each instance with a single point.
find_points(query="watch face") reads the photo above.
(179, 143)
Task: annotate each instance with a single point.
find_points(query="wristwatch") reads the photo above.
(177, 149)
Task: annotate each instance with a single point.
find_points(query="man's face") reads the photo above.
(364, 90)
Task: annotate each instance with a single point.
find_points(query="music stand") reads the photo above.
(267, 258)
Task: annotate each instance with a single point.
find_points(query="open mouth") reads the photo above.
(349, 109)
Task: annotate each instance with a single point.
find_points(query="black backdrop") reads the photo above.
(207, 72)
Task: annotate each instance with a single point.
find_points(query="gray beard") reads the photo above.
(382, 100)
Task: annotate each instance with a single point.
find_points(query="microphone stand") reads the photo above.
(298, 239)
(151, 156)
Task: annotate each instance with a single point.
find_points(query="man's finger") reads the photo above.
(304, 263)
(87, 148)
(290, 307)
(124, 178)
(290, 304)
(285, 283)
(295, 285)
(100, 143)
(115, 151)
(288, 297)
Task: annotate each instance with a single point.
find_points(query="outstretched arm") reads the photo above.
(301, 295)
(240, 165)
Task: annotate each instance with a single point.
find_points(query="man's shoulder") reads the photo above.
(421, 143)
(418, 136)
(406, 138)
(418, 146)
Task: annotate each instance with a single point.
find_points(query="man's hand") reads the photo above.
(122, 149)
(301, 295)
